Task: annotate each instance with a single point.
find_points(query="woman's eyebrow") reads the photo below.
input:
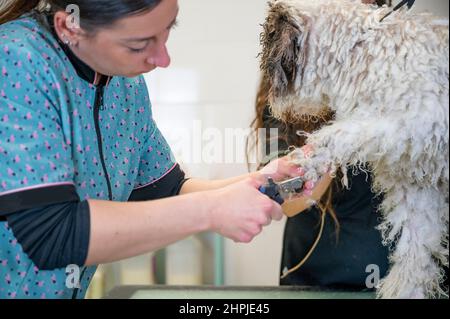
(171, 25)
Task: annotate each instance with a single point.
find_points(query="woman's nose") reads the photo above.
(161, 58)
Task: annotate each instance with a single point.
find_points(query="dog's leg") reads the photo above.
(421, 212)
(415, 228)
(351, 142)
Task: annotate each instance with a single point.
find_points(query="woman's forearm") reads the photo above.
(199, 185)
(124, 230)
(233, 207)
(280, 169)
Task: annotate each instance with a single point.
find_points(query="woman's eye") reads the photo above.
(133, 50)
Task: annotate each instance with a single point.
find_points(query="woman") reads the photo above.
(334, 244)
(85, 174)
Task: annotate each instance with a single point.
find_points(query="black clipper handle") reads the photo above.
(272, 190)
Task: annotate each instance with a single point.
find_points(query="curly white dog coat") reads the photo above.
(388, 85)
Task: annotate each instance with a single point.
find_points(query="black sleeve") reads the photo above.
(53, 226)
(53, 236)
(50, 223)
(170, 185)
(38, 197)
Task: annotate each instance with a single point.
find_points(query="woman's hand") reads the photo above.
(240, 211)
(283, 169)
(280, 170)
(312, 191)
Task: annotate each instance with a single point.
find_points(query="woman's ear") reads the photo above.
(67, 28)
(285, 49)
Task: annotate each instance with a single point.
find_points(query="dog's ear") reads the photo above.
(284, 42)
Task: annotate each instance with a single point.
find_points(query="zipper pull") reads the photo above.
(99, 98)
(102, 106)
(102, 91)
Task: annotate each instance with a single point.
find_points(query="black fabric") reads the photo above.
(38, 197)
(342, 263)
(53, 236)
(168, 186)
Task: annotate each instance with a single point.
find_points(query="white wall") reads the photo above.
(213, 78)
(439, 7)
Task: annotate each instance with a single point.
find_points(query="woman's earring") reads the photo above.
(66, 41)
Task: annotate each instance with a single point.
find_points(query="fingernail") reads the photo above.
(301, 171)
(310, 185)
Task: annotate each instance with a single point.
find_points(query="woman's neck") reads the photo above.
(83, 70)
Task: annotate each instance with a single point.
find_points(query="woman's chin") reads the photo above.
(137, 73)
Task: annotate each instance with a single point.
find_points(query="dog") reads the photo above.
(387, 82)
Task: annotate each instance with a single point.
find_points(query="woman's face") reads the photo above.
(133, 45)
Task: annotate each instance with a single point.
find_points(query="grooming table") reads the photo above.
(207, 292)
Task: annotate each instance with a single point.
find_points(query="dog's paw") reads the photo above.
(315, 161)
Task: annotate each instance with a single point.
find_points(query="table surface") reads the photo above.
(207, 292)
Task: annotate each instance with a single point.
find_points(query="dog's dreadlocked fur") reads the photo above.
(388, 85)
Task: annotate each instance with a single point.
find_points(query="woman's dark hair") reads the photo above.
(94, 14)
